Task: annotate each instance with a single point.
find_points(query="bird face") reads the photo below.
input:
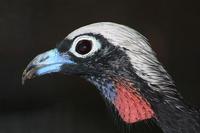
(113, 57)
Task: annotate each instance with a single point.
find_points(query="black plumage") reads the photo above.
(121, 64)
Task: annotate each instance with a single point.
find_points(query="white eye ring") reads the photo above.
(94, 42)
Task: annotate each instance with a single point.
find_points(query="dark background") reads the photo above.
(60, 104)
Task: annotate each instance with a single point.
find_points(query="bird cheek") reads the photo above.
(75, 69)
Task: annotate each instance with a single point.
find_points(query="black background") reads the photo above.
(60, 104)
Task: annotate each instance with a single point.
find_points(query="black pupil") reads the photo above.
(83, 47)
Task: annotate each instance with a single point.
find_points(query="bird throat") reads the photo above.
(131, 106)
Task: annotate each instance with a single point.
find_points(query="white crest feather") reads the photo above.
(142, 57)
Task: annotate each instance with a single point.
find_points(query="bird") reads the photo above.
(121, 64)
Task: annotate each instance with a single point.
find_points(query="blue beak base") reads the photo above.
(45, 63)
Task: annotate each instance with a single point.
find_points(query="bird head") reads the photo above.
(117, 60)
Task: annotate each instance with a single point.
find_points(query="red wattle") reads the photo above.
(131, 106)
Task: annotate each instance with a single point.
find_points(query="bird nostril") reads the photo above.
(43, 59)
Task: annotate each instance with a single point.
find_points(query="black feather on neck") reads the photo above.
(173, 115)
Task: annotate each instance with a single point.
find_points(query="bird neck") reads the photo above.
(174, 116)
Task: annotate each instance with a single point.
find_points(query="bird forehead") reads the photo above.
(114, 33)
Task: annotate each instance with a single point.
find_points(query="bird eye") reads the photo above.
(83, 47)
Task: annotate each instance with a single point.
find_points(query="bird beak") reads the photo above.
(48, 62)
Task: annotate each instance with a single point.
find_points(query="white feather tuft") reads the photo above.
(142, 57)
